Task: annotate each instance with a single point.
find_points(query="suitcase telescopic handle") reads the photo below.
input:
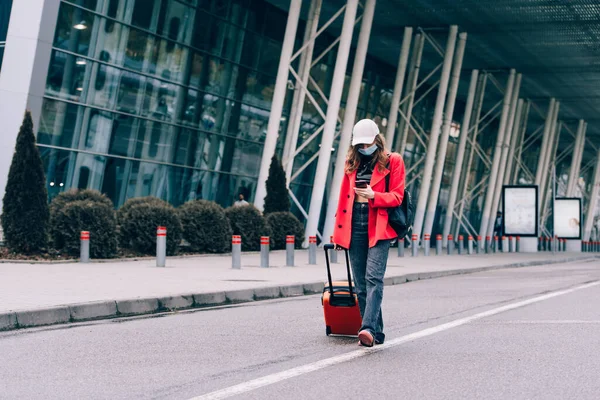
(328, 247)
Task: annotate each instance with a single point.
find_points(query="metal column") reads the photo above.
(277, 103)
(551, 166)
(547, 126)
(548, 155)
(333, 108)
(577, 157)
(514, 139)
(464, 133)
(515, 175)
(413, 77)
(507, 136)
(400, 73)
(479, 97)
(435, 131)
(349, 116)
(443, 147)
(291, 138)
(485, 218)
(593, 203)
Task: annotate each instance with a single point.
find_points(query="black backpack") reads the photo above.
(401, 218)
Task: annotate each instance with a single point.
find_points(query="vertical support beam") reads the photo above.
(435, 131)
(291, 138)
(577, 157)
(333, 108)
(480, 96)
(549, 154)
(462, 144)
(591, 211)
(507, 136)
(443, 147)
(515, 177)
(24, 72)
(485, 218)
(400, 74)
(551, 167)
(513, 142)
(349, 115)
(547, 126)
(278, 100)
(413, 78)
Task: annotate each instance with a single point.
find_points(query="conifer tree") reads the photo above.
(25, 205)
(277, 198)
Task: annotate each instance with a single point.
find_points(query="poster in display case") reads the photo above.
(567, 217)
(520, 210)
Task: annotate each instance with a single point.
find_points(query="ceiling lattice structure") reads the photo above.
(555, 44)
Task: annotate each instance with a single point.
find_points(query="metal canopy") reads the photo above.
(555, 44)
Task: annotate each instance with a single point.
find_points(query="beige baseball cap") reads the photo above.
(364, 132)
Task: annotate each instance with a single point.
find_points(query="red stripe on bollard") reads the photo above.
(450, 237)
(236, 239)
(461, 237)
(85, 235)
(488, 238)
(312, 239)
(470, 237)
(426, 237)
(438, 237)
(330, 239)
(415, 237)
(264, 240)
(290, 239)
(478, 238)
(161, 231)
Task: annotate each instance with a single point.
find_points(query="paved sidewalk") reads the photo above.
(203, 280)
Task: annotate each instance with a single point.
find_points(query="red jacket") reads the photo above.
(379, 229)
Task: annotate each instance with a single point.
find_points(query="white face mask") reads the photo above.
(369, 150)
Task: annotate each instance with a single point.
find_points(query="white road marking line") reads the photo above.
(544, 322)
(315, 366)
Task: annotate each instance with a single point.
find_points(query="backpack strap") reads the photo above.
(387, 177)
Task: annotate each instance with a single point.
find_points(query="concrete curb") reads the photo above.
(136, 258)
(137, 307)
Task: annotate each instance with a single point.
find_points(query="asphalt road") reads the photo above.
(530, 333)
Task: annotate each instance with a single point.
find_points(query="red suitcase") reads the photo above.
(340, 303)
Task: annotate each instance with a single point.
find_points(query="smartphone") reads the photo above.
(361, 184)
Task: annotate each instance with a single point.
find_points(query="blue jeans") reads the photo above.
(368, 268)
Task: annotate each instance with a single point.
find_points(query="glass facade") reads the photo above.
(5, 6)
(171, 98)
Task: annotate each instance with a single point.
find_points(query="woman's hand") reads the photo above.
(367, 192)
(338, 247)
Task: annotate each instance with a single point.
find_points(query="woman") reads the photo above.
(361, 222)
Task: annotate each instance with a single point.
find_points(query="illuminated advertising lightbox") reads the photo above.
(520, 210)
(567, 218)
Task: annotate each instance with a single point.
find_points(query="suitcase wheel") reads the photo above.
(328, 330)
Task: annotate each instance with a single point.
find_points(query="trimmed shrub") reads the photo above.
(248, 222)
(124, 234)
(277, 198)
(205, 226)
(86, 215)
(141, 222)
(283, 224)
(122, 212)
(25, 204)
(71, 196)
